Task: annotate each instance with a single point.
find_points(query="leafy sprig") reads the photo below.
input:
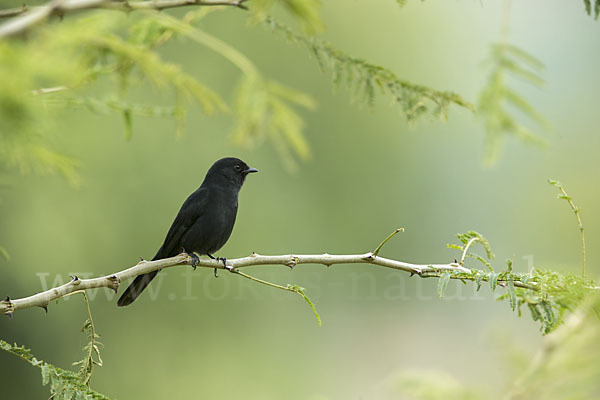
(66, 384)
(497, 99)
(364, 79)
(547, 294)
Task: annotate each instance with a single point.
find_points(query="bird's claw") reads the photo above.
(223, 260)
(225, 266)
(195, 260)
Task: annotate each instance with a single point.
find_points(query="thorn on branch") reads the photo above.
(45, 307)
(115, 282)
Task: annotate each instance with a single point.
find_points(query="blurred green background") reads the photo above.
(370, 173)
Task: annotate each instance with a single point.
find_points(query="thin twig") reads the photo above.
(288, 288)
(576, 211)
(93, 344)
(13, 12)
(466, 249)
(23, 18)
(376, 252)
(49, 90)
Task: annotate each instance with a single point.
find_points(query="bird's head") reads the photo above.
(230, 169)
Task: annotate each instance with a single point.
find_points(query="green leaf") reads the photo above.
(493, 279)
(588, 6)
(443, 283)
(300, 291)
(511, 292)
(45, 374)
(553, 182)
(478, 281)
(509, 265)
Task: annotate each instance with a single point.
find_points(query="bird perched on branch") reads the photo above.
(204, 221)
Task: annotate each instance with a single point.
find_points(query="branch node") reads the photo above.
(293, 262)
(10, 307)
(115, 281)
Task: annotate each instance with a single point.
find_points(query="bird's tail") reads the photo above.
(135, 289)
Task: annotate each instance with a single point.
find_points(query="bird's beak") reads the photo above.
(250, 170)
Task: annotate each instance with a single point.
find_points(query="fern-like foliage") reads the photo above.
(131, 59)
(24, 143)
(50, 71)
(497, 99)
(576, 210)
(548, 295)
(365, 79)
(306, 12)
(265, 112)
(91, 349)
(66, 384)
(588, 8)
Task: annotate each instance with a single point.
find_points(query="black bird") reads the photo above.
(204, 221)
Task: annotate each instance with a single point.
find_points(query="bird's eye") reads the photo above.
(238, 167)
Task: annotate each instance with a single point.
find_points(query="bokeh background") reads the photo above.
(369, 173)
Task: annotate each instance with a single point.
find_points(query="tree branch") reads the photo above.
(26, 17)
(9, 306)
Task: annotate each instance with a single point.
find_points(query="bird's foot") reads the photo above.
(223, 260)
(195, 260)
(225, 266)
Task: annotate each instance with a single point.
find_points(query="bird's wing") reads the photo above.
(190, 211)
